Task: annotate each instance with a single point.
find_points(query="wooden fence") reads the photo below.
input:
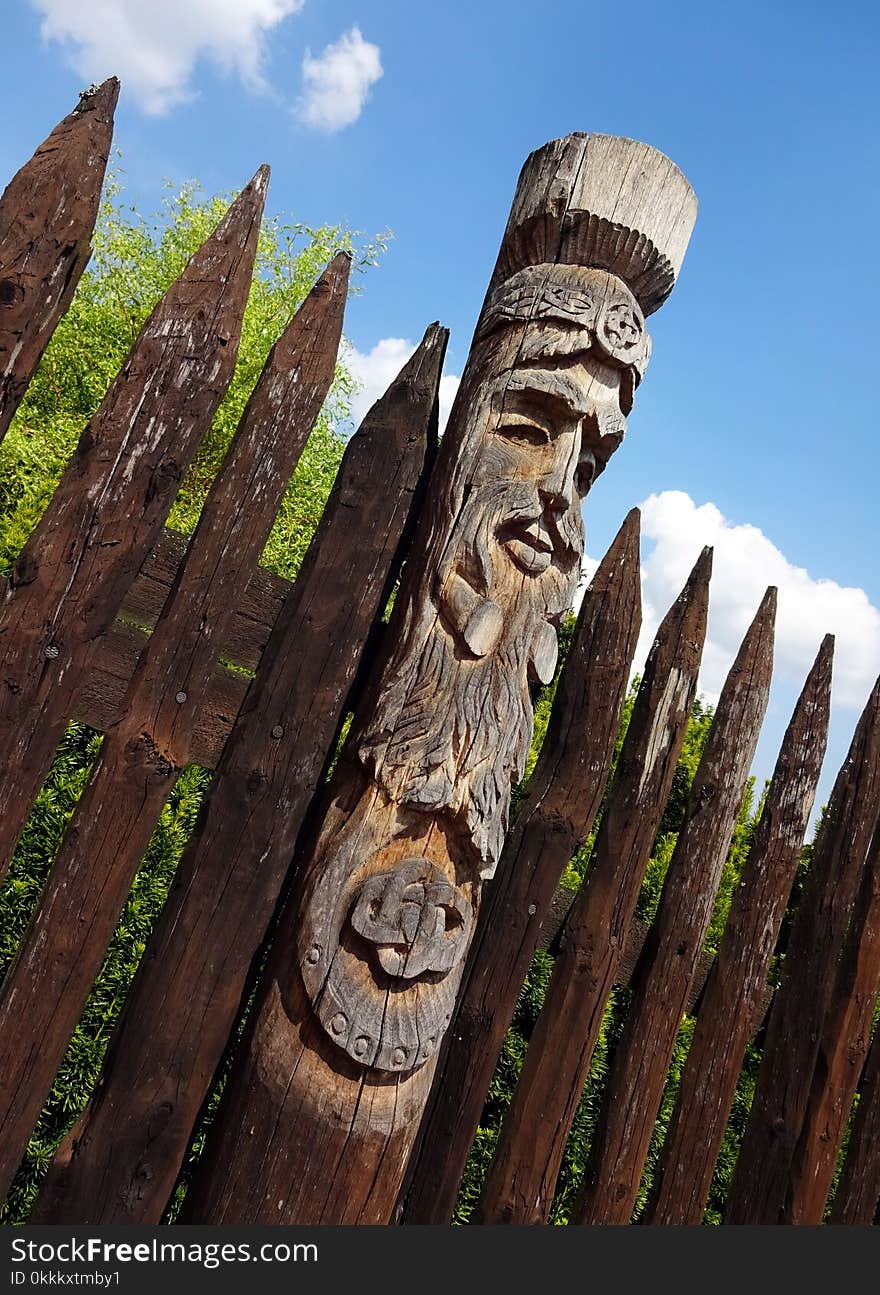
(380, 925)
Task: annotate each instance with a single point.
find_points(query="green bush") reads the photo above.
(135, 260)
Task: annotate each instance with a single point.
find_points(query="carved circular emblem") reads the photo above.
(414, 917)
(620, 332)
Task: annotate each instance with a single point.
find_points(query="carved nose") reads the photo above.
(556, 487)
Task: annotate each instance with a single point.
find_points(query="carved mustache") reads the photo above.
(513, 512)
(534, 538)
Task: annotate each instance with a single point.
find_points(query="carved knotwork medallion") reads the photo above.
(381, 959)
(414, 917)
(620, 332)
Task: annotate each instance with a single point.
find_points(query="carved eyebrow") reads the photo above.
(536, 387)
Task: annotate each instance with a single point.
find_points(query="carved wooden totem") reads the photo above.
(363, 977)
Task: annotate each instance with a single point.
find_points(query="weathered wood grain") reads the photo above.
(846, 1038)
(551, 934)
(256, 606)
(521, 1181)
(564, 796)
(760, 1183)
(72, 575)
(737, 983)
(357, 1001)
(111, 667)
(120, 1162)
(641, 1061)
(145, 751)
(116, 653)
(855, 1201)
(47, 214)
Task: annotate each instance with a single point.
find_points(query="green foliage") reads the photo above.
(135, 260)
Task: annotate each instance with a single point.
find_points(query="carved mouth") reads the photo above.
(528, 543)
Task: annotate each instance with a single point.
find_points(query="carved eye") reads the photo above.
(524, 432)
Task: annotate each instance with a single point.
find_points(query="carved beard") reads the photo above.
(463, 731)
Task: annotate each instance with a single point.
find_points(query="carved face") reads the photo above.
(571, 382)
(549, 417)
(544, 400)
(555, 362)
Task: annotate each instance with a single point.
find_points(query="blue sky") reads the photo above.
(755, 426)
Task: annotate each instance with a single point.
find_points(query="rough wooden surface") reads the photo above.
(73, 574)
(521, 1181)
(855, 1201)
(641, 1060)
(761, 1178)
(145, 751)
(551, 933)
(733, 995)
(846, 1038)
(387, 900)
(111, 667)
(564, 796)
(100, 700)
(605, 201)
(256, 606)
(120, 1162)
(47, 214)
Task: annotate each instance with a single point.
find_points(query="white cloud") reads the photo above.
(448, 387)
(376, 370)
(337, 83)
(745, 563)
(153, 45)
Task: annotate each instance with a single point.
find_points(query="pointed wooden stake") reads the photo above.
(641, 1062)
(858, 1191)
(120, 1162)
(846, 1038)
(736, 987)
(565, 793)
(47, 214)
(144, 753)
(72, 575)
(522, 1177)
(761, 1179)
